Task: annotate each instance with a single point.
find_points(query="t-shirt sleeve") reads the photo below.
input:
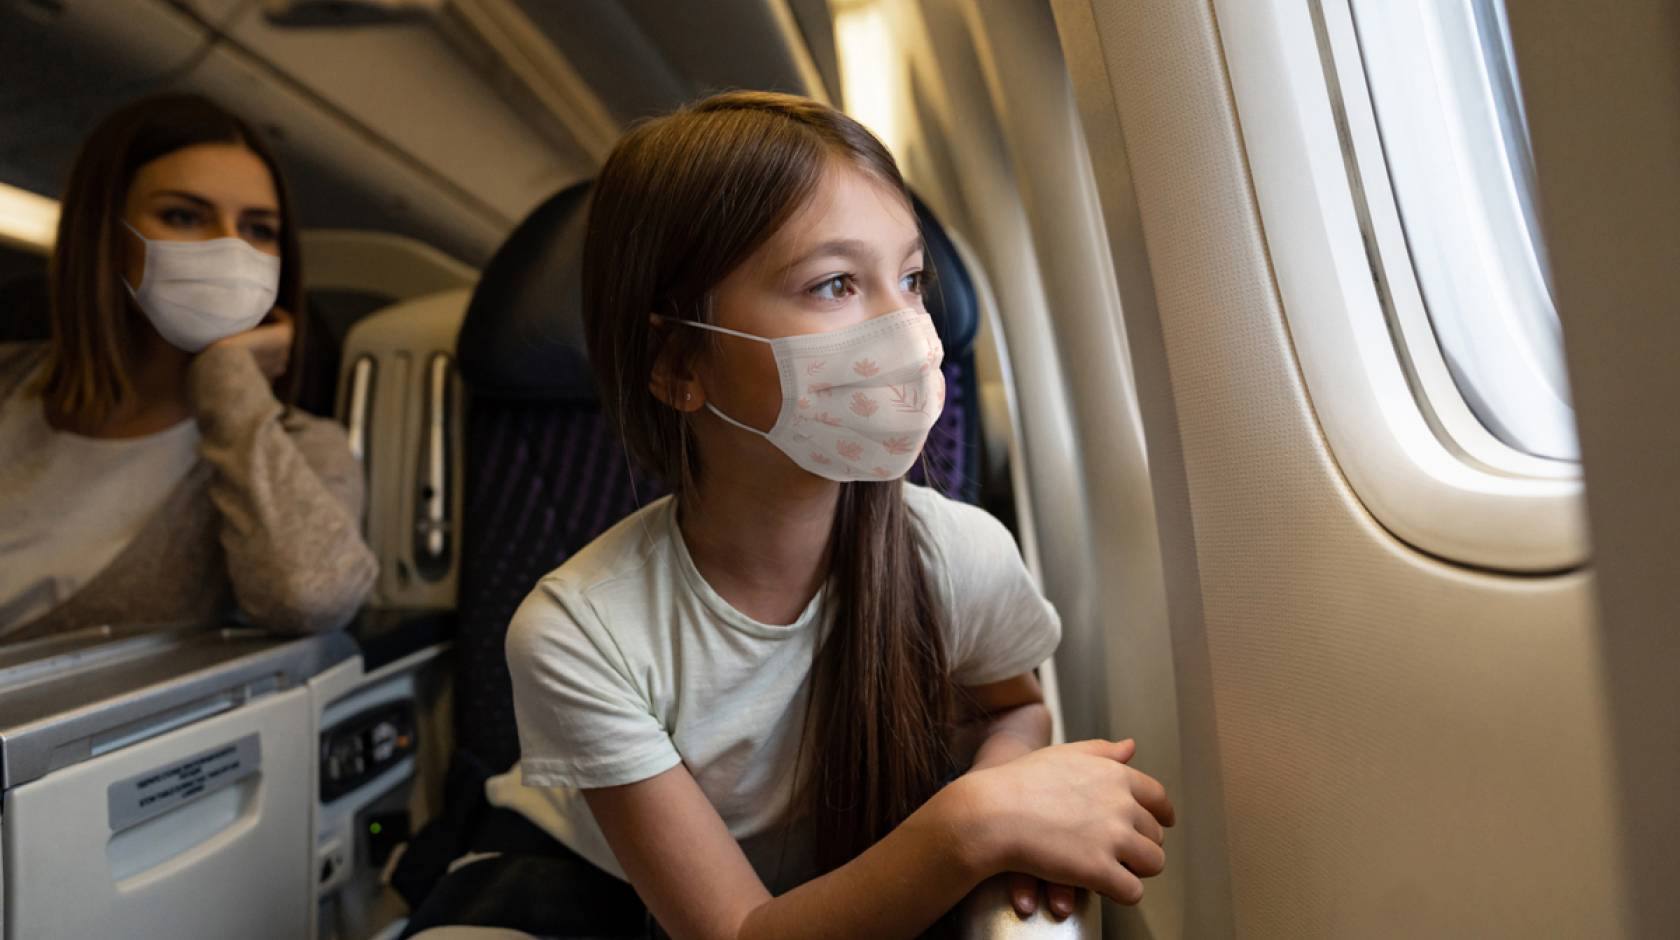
(582, 720)
(1000, 625)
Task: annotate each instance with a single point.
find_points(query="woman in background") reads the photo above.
(152, 469)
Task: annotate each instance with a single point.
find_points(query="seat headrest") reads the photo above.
(522, 338)
(523, 333)
(950, 297)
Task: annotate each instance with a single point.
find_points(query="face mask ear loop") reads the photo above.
(728, 420)
(727, 332)
(145, 246)
(717, 329)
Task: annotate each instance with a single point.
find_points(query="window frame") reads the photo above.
(1518, 286)
(1412, 451)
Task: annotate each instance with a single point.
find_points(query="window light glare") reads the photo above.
(867, 58)
(27, 219)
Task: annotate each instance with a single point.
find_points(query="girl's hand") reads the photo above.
(1023, 895)
(270, 344)
(1073, 815)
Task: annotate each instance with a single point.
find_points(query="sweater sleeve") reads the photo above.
(289, 497)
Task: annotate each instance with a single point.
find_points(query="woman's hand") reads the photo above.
(1073, 815)
(270, 344)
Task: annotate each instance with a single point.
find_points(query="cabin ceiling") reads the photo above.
(447, 123)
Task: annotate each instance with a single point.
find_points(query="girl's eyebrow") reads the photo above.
(852, 249)
(856, 250)
(198, 200)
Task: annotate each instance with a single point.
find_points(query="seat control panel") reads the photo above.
(359, 748)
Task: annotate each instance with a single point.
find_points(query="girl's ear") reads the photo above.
(673, 383)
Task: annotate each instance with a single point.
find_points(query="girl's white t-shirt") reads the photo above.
(625, 663)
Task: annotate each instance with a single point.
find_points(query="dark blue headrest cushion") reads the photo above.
(950, 297)
(523, 334)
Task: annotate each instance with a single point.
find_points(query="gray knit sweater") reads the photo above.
(268, 517)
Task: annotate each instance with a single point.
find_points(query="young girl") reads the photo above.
(755, 685)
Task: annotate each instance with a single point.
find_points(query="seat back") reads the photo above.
(545, 473)
(399, 399)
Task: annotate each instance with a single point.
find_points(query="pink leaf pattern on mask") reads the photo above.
(824, 417)
(863, 406)
(898, 445)
(883, 472)
(851, 450)
(821, 389)
(908, 398)
(821, 458)
(804, 402)
(865, 367)
(816, 367)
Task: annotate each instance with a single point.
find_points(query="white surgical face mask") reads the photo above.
(196, 293)
(857, 403)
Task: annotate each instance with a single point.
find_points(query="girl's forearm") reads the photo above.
(905, 882)
(898, 887)
(1013, 733)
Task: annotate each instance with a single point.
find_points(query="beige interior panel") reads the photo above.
(1603, 103)
(1404, 748)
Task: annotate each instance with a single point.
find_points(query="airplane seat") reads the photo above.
(545, 472)
(951, 460)
(400, 400)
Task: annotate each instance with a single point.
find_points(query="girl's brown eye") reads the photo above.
(912, 282)
(835, 288)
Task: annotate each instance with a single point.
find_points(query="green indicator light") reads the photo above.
(375, 828)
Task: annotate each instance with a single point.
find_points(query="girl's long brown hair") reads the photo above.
(93, 319)
(682, 201)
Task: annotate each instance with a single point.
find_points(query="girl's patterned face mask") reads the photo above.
(857, 403)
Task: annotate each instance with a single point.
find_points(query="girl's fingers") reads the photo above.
(1060, 899)
(1142, 856)
(1120, 751)
(1120, 885)
(1145, 822)
(1023, 894)
(1152, 796)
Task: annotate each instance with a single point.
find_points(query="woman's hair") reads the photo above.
(682, 201)
(92, 322)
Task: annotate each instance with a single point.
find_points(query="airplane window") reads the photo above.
(1389, 154)
(1443, 84)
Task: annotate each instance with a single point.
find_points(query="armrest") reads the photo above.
(986, 914)
(385, 636)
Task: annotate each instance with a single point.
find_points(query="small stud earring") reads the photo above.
(688, 396)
